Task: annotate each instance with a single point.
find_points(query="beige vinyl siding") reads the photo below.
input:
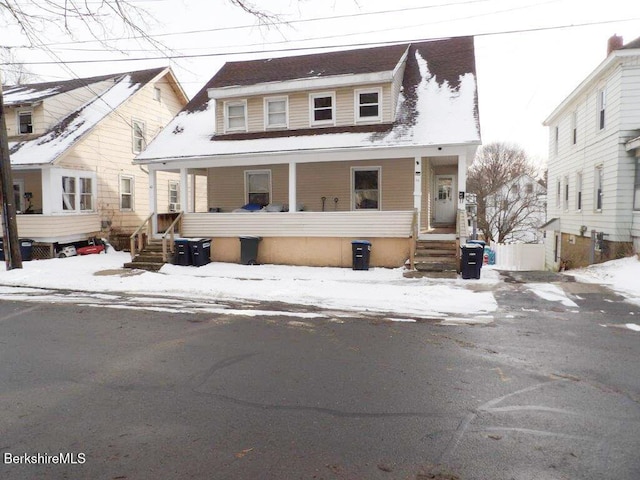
(226, 188)
(52, 226)
(299, 111)
(107, 151)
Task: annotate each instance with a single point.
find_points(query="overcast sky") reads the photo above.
(526, 66)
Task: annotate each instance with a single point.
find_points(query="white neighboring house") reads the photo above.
(517, 211)
(594, 164)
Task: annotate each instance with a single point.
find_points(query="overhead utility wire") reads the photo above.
(282, 22)
(326, 47)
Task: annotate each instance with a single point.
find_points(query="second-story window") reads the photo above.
(574, 128)
(322, 108)
(25, 123)
(579, 191)
(137, 130)
(565, 200)
(275, 112)
(368, 105)
(235, 114)
(597, 190)
(602, 107)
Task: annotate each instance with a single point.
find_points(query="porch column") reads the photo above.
(292, 187)
(462, 180)
(153, 198)
(417, 188)
(184, 189)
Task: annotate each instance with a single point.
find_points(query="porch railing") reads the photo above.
(170, 234)
(138, 239)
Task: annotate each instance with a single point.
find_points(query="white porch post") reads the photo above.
(192, 190)
(462, 180)
(417, 188)
(292, 187)
(153, 198)
(184, 190)
(47, 192)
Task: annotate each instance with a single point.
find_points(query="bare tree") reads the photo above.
(15, 72)
(508, 193)
(97, 18)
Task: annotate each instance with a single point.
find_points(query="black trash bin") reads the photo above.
(200, 251)
(26, 249)
(361, 251)
(249, 250)
(471, 260)
(183, 252)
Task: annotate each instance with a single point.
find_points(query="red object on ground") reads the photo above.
(90, 249)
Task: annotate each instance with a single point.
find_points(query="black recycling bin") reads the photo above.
(200, 251)
(249, 250)
(182, 255)
(26, 249)
(471, 260)
(361, 250)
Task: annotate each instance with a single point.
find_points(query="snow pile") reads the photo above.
(620, 275)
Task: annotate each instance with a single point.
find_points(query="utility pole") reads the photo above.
(11, 246)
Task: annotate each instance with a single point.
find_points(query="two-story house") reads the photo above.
(72, 144)
(328, 147)
(594, 174)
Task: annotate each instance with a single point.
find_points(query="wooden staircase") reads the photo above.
(435, 259)
(149, 258)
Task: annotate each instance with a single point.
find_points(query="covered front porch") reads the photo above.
(308, 208)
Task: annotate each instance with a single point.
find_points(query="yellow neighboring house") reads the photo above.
(72, 144)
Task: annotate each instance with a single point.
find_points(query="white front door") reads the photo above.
(445, 211)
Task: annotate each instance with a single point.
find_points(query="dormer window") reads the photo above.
(235, 115)
(368, 107)
(275, 112)
(322, 108)
(25, 124)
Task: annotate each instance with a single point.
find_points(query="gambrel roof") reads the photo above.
(437, 105)
(46, 148)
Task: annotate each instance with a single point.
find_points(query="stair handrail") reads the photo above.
(413, 240)
(141, 243)
(171, 233)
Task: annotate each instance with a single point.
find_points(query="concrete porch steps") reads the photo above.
(150, 258)
(435, 259)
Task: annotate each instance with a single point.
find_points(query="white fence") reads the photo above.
(519, 256)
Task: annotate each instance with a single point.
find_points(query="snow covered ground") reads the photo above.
(236, 289)
(379, 290)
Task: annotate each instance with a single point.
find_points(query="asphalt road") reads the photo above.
(544, 392)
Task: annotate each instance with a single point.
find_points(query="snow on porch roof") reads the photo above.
(46, 148)
(437, 106)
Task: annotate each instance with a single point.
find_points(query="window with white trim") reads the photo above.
(602, 108)
(565, 200)
(322, 107)
(258, 187)
(579, 191)
(558, 192)
(126, 192)
(597, 189)
(157, 94)
(636, 199)
(25, 122)
(86, 194)
(574, 128)
(235, 116)
(556, 139)
(137, 133)
(275, 112)
(68, 194)
(365, 184)
(368, 106)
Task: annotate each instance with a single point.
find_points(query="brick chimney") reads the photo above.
(614, 43)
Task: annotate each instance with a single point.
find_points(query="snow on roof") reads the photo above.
(438, 106)
(49, 146)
